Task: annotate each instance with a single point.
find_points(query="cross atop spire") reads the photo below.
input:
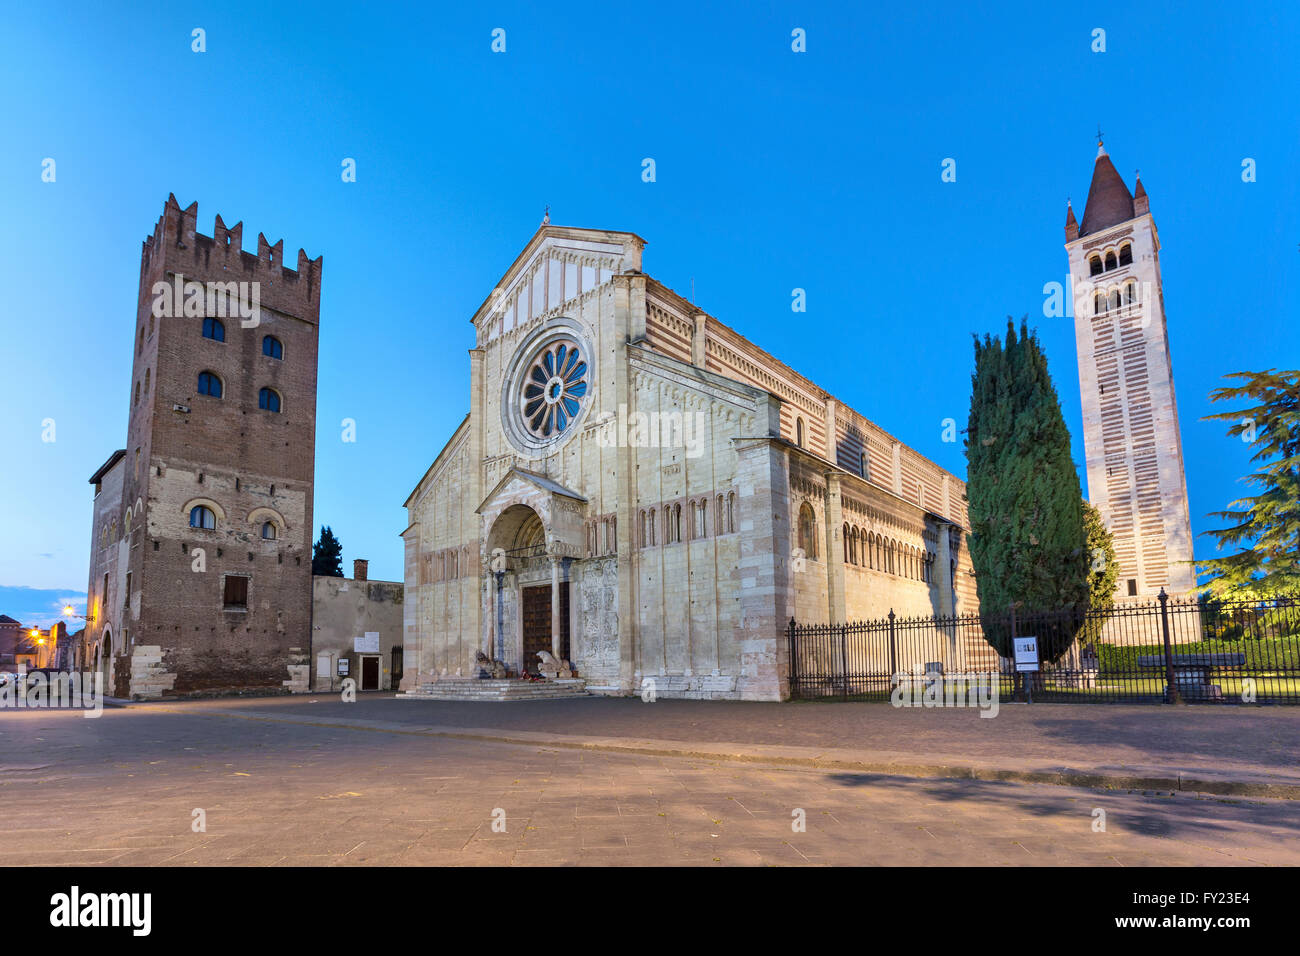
(546, 217)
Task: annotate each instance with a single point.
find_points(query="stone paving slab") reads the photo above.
(293, 792)
(1161, 771)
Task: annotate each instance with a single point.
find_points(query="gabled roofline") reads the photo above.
(541, 481)
(549, 231)
(437, 460)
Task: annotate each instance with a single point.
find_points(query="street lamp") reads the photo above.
(68, 612)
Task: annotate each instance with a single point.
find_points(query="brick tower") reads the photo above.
(205, 566)
(1130, 415)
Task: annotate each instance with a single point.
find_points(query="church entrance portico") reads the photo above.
(534, 534)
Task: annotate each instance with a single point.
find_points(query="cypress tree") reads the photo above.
(327, 555)
(1028, 543)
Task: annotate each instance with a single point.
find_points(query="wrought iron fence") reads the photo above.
(1164, 650)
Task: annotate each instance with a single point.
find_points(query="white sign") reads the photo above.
(1026, 653)
(368, 644)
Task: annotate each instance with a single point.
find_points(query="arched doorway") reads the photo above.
(105, 663)
(531, 601)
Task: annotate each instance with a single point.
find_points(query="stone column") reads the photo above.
(697, 339)
(766, 593)
(837, 603)
(555, 608)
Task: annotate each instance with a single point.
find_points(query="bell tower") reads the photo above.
(1130, 416)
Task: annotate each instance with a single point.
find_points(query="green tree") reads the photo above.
(1028, 542)
(1268, 523)
(1103, 571)
(327, 555)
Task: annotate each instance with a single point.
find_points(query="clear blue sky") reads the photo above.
(775, 170)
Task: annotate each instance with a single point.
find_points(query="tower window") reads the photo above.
(1126, 254)
(236, 591)
(268, 399)
(269, 532)
(798, 432)
(1130, 293)
(202, 516)
(862, 464)
(214, 329)
(1098, 303)
(1094, 265)
(272, 346)
(209, 384)
(1110, 261)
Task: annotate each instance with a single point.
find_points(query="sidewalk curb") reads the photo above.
(809, 758)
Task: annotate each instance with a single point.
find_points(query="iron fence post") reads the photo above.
(844, 657)
(893, 650)
(1171, 689)
(794, 661)
(1015, 671)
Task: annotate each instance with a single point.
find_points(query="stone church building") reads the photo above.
(641, 490)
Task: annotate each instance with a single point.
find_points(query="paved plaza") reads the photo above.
(288, 781)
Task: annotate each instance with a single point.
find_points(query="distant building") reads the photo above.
(9, 637)
(200, 577)
(358, 621)
(1126, 380)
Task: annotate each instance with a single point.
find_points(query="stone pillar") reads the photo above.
(697, 339)
(837, 603)
(943, 572)
(555, 608)
(766, 593)
(832, 436)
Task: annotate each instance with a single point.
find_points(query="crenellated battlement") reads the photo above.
(177, 247)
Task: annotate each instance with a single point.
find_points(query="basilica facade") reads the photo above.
(640, 490)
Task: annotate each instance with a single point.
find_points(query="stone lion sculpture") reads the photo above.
(489, 667)
(552, 668)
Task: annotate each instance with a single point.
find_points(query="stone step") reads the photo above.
(496, 690)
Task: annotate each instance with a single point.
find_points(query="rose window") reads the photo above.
(553, 389)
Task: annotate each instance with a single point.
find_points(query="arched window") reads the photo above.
(871, 548)
(146, 381)
(1111, 262)
(201, 516)
(695, 520)
(650, 526)
(136, 399)
(1126, 254)
(269, 531)
(731, 511)
(1094, 265)
(848, 553)
(674, 524)
(209, 384)
(703, 528)
(807, 530)
(1113, 301)
(718, 514)
(1098, 303)
(862, 464)
(269, 399)
(1130, 293)
(140, 350)
(214, 329)
(798, 432)
(272, 346)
